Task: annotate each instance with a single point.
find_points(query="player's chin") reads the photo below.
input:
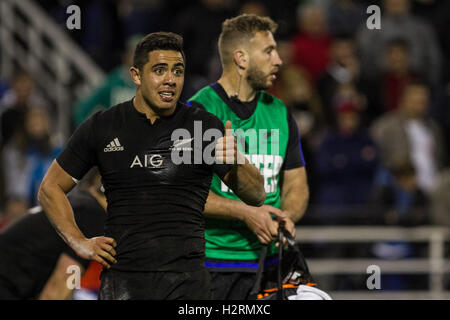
(168, 103)
(267, 85)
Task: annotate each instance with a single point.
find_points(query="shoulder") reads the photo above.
(198, 112)
(206, 91)
(116, 111)
(112, 117)
(207, 98)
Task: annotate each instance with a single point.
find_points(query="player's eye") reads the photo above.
(159, 71)
(270, 50)
(178, 72)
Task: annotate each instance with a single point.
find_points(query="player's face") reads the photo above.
(264, 61)
(162, 79)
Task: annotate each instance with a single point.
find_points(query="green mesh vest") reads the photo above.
(263, 138)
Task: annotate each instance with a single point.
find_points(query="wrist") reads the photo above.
(75, 240)
(247, 212)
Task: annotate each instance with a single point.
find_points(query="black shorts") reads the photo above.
(119, 285)
(231, 285)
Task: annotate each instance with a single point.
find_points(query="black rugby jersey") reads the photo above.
(155, 207)
(30, 248)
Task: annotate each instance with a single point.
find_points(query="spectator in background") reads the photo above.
(437, 13)
(342, 71)
(15, 103)
(346, 163)
(26, 159)
(397, 73)
(116, 88)
(398, 22)
(254, 7)
(343, 92)
(345, 17)
(312, 42)
(294, 88)
(200, 27)
(408, 132)
(100, 28)
(100, 38)
(397, 198)
(141, 16)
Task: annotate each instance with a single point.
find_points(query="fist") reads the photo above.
(226, 148)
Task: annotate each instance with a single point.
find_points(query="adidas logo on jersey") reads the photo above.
(114, 146)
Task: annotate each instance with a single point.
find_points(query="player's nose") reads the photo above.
(169, 79)
(277, 60)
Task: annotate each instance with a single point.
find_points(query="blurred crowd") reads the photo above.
(372, 106)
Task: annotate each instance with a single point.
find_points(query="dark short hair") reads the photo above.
(399, 42)
(156, 41)
(241, 29)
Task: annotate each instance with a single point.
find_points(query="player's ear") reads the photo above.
(135, 75)
(240, 59)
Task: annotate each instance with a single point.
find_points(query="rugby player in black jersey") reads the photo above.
(35, 261)
(154, 236)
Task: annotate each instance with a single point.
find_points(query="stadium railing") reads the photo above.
(32, 40)
(435, 265)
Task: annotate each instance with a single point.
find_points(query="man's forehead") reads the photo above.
(262, 39)
(165, 56)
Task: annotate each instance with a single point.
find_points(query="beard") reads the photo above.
(257, 79)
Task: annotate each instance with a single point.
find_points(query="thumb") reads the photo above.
(228, 128)
(277, 212)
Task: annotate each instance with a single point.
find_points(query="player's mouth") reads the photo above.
(273, 75)
(166, 96)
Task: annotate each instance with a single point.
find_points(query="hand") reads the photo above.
(100, 249)
(226, 148)
(258, 220)
(289, 225)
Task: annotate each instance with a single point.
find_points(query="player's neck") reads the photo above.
(233, 84)
(152, 114)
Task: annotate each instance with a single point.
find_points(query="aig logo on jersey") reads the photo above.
(114, 145)
(148, 161)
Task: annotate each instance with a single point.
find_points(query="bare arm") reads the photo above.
(52, 197)
(257, 219)
(294, 196)
(247, 183)
(56, 287)
(244, 178)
